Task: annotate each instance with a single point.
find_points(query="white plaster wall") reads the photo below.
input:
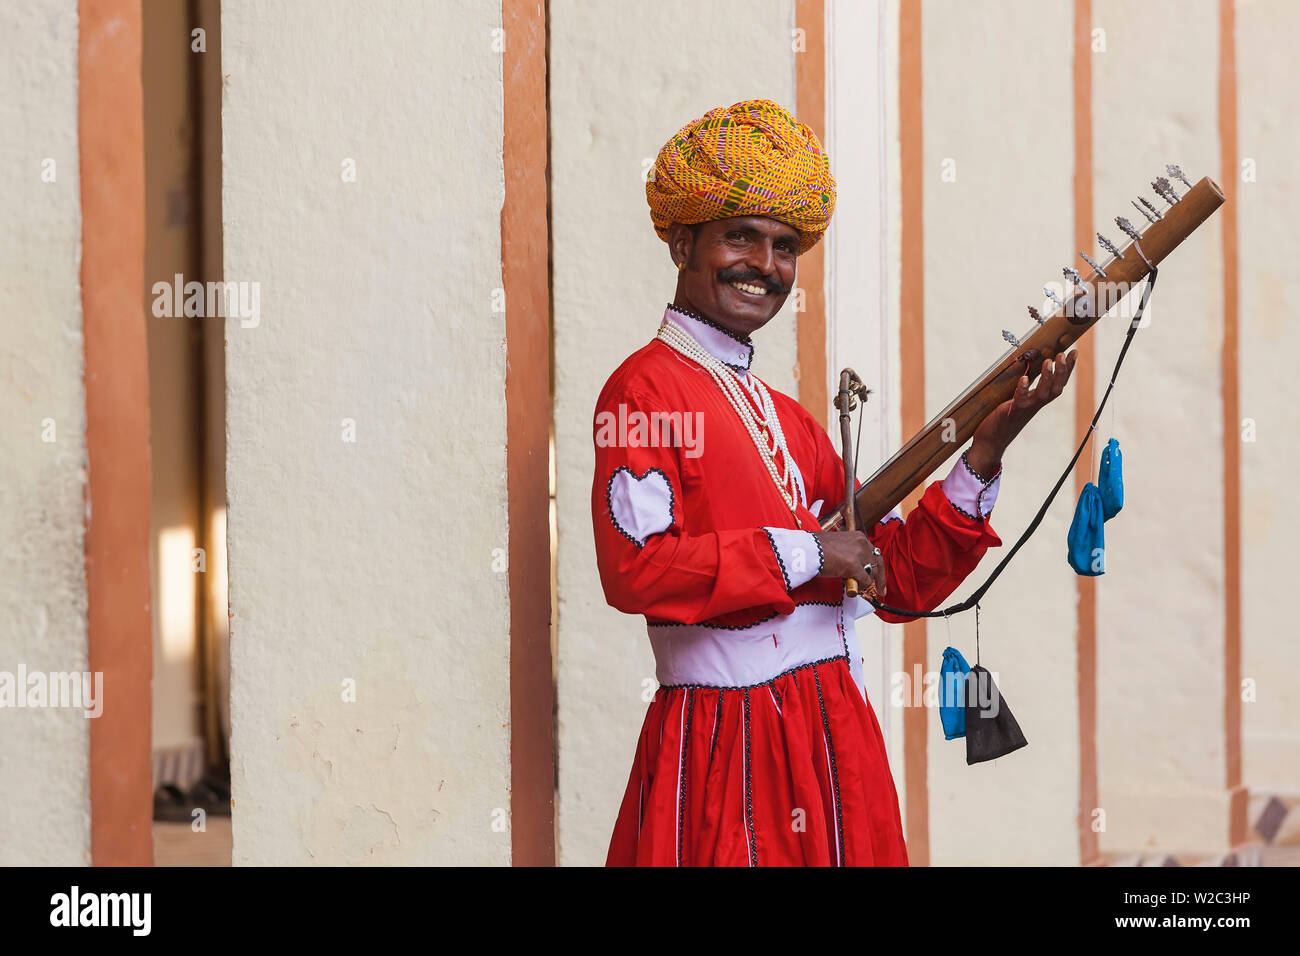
(864, 267)
(1160, 681)
(997, 103)
(624, 78)
(1267, 210)
(368, 561)
(44, 753)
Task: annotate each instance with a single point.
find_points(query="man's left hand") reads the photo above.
(1004, 423)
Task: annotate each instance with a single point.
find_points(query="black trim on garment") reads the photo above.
(975, 474)
(835, 773)
(743, 340)
(785, 576)
(609, 503)
(821, 556)
(749, 792)
(985, 483)
(960, 510)
(844, 638)
(727, 332)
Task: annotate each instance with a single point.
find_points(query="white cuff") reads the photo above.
(860, 607)
(798, 552)
(970, 494)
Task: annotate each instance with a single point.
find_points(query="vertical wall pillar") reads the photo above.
(111, 127)
(525, 252)
(1085, 406)
(916, 807)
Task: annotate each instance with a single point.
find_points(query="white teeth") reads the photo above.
(751, 289)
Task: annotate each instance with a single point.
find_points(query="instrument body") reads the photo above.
(946, 433)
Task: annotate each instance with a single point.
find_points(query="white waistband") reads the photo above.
(722, 657)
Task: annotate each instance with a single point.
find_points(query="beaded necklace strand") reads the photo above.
(728, 380)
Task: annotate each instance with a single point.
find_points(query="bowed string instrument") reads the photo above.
(1086, 301)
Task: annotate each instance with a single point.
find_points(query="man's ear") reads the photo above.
(681, 239)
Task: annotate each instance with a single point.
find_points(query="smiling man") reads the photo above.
(759, 747)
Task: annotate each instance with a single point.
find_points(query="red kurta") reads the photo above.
(759, 747)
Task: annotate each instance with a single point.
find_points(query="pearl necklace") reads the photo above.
(728, 380)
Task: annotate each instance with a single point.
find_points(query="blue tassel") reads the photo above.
(1086, 543)
(1111, 479)
(952, 693)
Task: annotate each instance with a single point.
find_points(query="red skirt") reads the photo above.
(792, 772)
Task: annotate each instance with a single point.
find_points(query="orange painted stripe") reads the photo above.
(1085, 401)
(525, 253)
(912, 398)
(1231, 423)
(110, 127)
(810, 108)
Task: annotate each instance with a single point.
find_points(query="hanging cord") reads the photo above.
(1092, 457)
(973, 600)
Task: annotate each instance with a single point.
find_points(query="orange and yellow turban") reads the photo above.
(750, 159)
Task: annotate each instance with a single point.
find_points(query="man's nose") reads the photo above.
(762, 258)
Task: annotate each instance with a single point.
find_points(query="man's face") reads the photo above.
(738, 271)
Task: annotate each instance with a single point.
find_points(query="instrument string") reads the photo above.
(973, 600)
(857, 447)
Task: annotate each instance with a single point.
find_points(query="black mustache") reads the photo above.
(754, 278)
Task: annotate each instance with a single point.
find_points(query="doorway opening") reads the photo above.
(181, 78)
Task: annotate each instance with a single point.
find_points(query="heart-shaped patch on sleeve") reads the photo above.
(640, 506)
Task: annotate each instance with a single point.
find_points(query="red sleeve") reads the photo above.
(926, 555)
(650, 561)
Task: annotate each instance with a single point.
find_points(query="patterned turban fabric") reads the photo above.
(750, 159)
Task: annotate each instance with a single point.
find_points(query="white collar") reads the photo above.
(724, 345)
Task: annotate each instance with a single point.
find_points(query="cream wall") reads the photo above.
(1268, 209)
(44, 753)
(624, 78)
(1160, 621)
(997, 99)
(369, 561)
(863, 251)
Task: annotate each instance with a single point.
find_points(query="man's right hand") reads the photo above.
(846, 554)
